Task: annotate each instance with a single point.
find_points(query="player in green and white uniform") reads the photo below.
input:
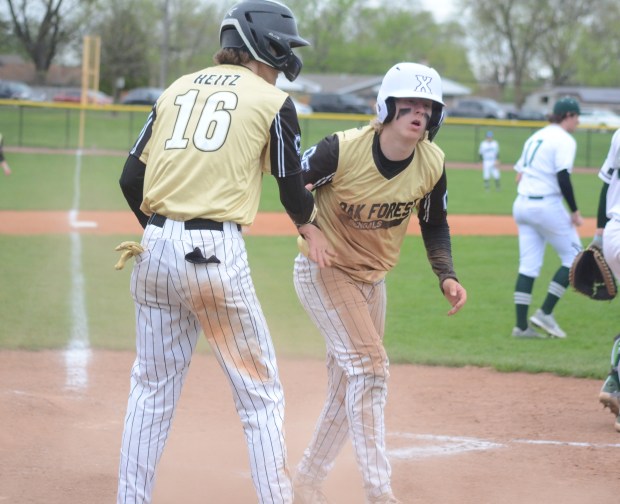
(489, 154)
(543, 175)
(608, 238)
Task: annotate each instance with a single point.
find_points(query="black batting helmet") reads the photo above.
(267, 30)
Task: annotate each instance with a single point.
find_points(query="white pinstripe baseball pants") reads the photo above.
(174, 301)
(351, 317)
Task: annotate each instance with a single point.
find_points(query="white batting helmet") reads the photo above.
(411, 80)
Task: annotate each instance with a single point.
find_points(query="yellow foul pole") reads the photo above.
(91, 54)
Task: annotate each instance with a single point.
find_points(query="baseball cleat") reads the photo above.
(528, 332)
(609, 396)
(308, 494)
(547, 323)
(386, 499)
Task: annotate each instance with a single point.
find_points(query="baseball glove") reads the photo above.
(590, 275)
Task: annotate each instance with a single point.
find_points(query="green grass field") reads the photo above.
(56, 126)
(36, 292)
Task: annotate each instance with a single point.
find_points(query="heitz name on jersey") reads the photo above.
(216, 79)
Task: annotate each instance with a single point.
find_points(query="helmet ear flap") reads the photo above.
(390, 106)
(434, 123)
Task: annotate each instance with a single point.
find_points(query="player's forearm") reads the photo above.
(296, 199)
(439, 250)
(567, 189)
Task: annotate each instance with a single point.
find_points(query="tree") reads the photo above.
(124, 48)
(597, 60)
(568, 22)
(42, 27)
(517, 41)
(193, 35)
(357, 37)
(327, 25)
(515, 28)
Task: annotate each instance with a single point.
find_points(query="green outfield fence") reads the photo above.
(27, 124)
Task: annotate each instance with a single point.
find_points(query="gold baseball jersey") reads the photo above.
(209, 140)
(364, 207)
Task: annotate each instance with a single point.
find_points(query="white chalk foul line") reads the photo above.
(428, 445)
(566, 443)
(78, 352)
(74, 222)
(416, 446)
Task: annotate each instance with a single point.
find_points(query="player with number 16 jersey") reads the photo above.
(193, 180)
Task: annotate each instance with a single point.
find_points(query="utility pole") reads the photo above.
(165, 44)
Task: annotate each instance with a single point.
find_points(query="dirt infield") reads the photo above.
(466, 436)
(273, 224)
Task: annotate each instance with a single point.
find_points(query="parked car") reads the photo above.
(17, 90)
(511, 111)
(142, 96)
(340, 102)
(478, 107)
(526, 114)
(75, 96)
(599, 117)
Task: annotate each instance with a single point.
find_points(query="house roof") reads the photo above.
(593, 94)
(351, 83)
(586, 94)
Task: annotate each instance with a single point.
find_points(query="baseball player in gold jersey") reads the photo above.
(368, 182)
(193, 179)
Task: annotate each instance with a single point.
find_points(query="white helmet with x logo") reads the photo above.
(411, 80)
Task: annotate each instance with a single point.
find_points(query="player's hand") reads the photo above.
(597, 240)
(319, 249)
(576, 218)
(455, 293)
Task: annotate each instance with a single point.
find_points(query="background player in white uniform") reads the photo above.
(3, 162)
(608, 239)
(543, 175)
(368, 182)
(489, 154)
(193, 178)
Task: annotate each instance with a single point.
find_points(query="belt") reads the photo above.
(536, 197)
(192, 224)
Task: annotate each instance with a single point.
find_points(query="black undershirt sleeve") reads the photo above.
(432, 217)
(286, 165)
(601, 215)
(296, 199)
(132, 185)
(320, 161)
(567, 189)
